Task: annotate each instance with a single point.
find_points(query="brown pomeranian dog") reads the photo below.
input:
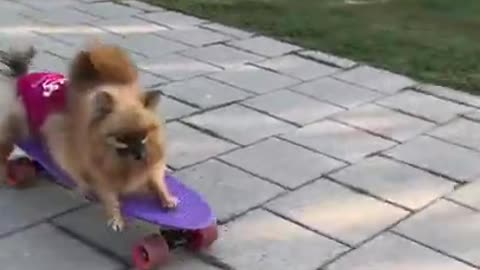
(105, 134)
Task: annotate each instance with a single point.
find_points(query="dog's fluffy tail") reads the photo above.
(18, 62)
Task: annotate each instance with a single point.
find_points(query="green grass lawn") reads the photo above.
(436, 41)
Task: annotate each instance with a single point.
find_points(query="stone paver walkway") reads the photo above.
(311, 161)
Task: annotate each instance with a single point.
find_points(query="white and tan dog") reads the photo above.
(98, 124)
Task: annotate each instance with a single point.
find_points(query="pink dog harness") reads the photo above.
(42, 93)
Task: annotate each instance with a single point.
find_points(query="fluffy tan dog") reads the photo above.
(108, 138)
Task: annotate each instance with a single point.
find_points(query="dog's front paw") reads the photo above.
(116, 224)
(170, 202)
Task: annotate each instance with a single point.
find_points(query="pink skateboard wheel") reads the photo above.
(150, 252)
(203, 238)
(20, 172)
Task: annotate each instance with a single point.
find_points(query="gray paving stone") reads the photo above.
(298, 67)
(395, 182)
(260, 240)
(195, 36)
(130, 26)
(239, 124)
(377, 79)
(22, 208)
(6, 43)
(337, 92)
(41, 42)
(60, 49)
(91, 223)
(186, 145)
(172, 109)
(282, 162)
(182, 260)
(147, 80)
(16, 27)
(142, 5)
(438, 156)
(450, 94)
(177, 67)
(15, 22)
(389, 251)
(234, 32)
(51, 63)
(426, 106)
(292, 107)
(61, 16)
(468, 194)
(254, 79)
(460, 131)
(108, 10)
(47, 4)
(328, 58)
(138, 58)
(257, 241)
(265, 46)
(220, 183)
(338, 140)
(79, 39)
(152, 46)
(45, 248)
(11, 8)
(222, 55)
(204, 92)
(386, 122)
(475, 116)
(447, 227)
(338, 212)
(172, 19)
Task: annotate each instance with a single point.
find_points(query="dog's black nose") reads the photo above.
(139, 156)
(138, 152)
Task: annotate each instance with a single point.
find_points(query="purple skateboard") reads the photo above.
(191, 222)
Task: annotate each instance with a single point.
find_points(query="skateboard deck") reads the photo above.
(192, 212)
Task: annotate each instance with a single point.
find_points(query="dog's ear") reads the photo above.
(103, 105)
(151, 99)
(82, 68)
